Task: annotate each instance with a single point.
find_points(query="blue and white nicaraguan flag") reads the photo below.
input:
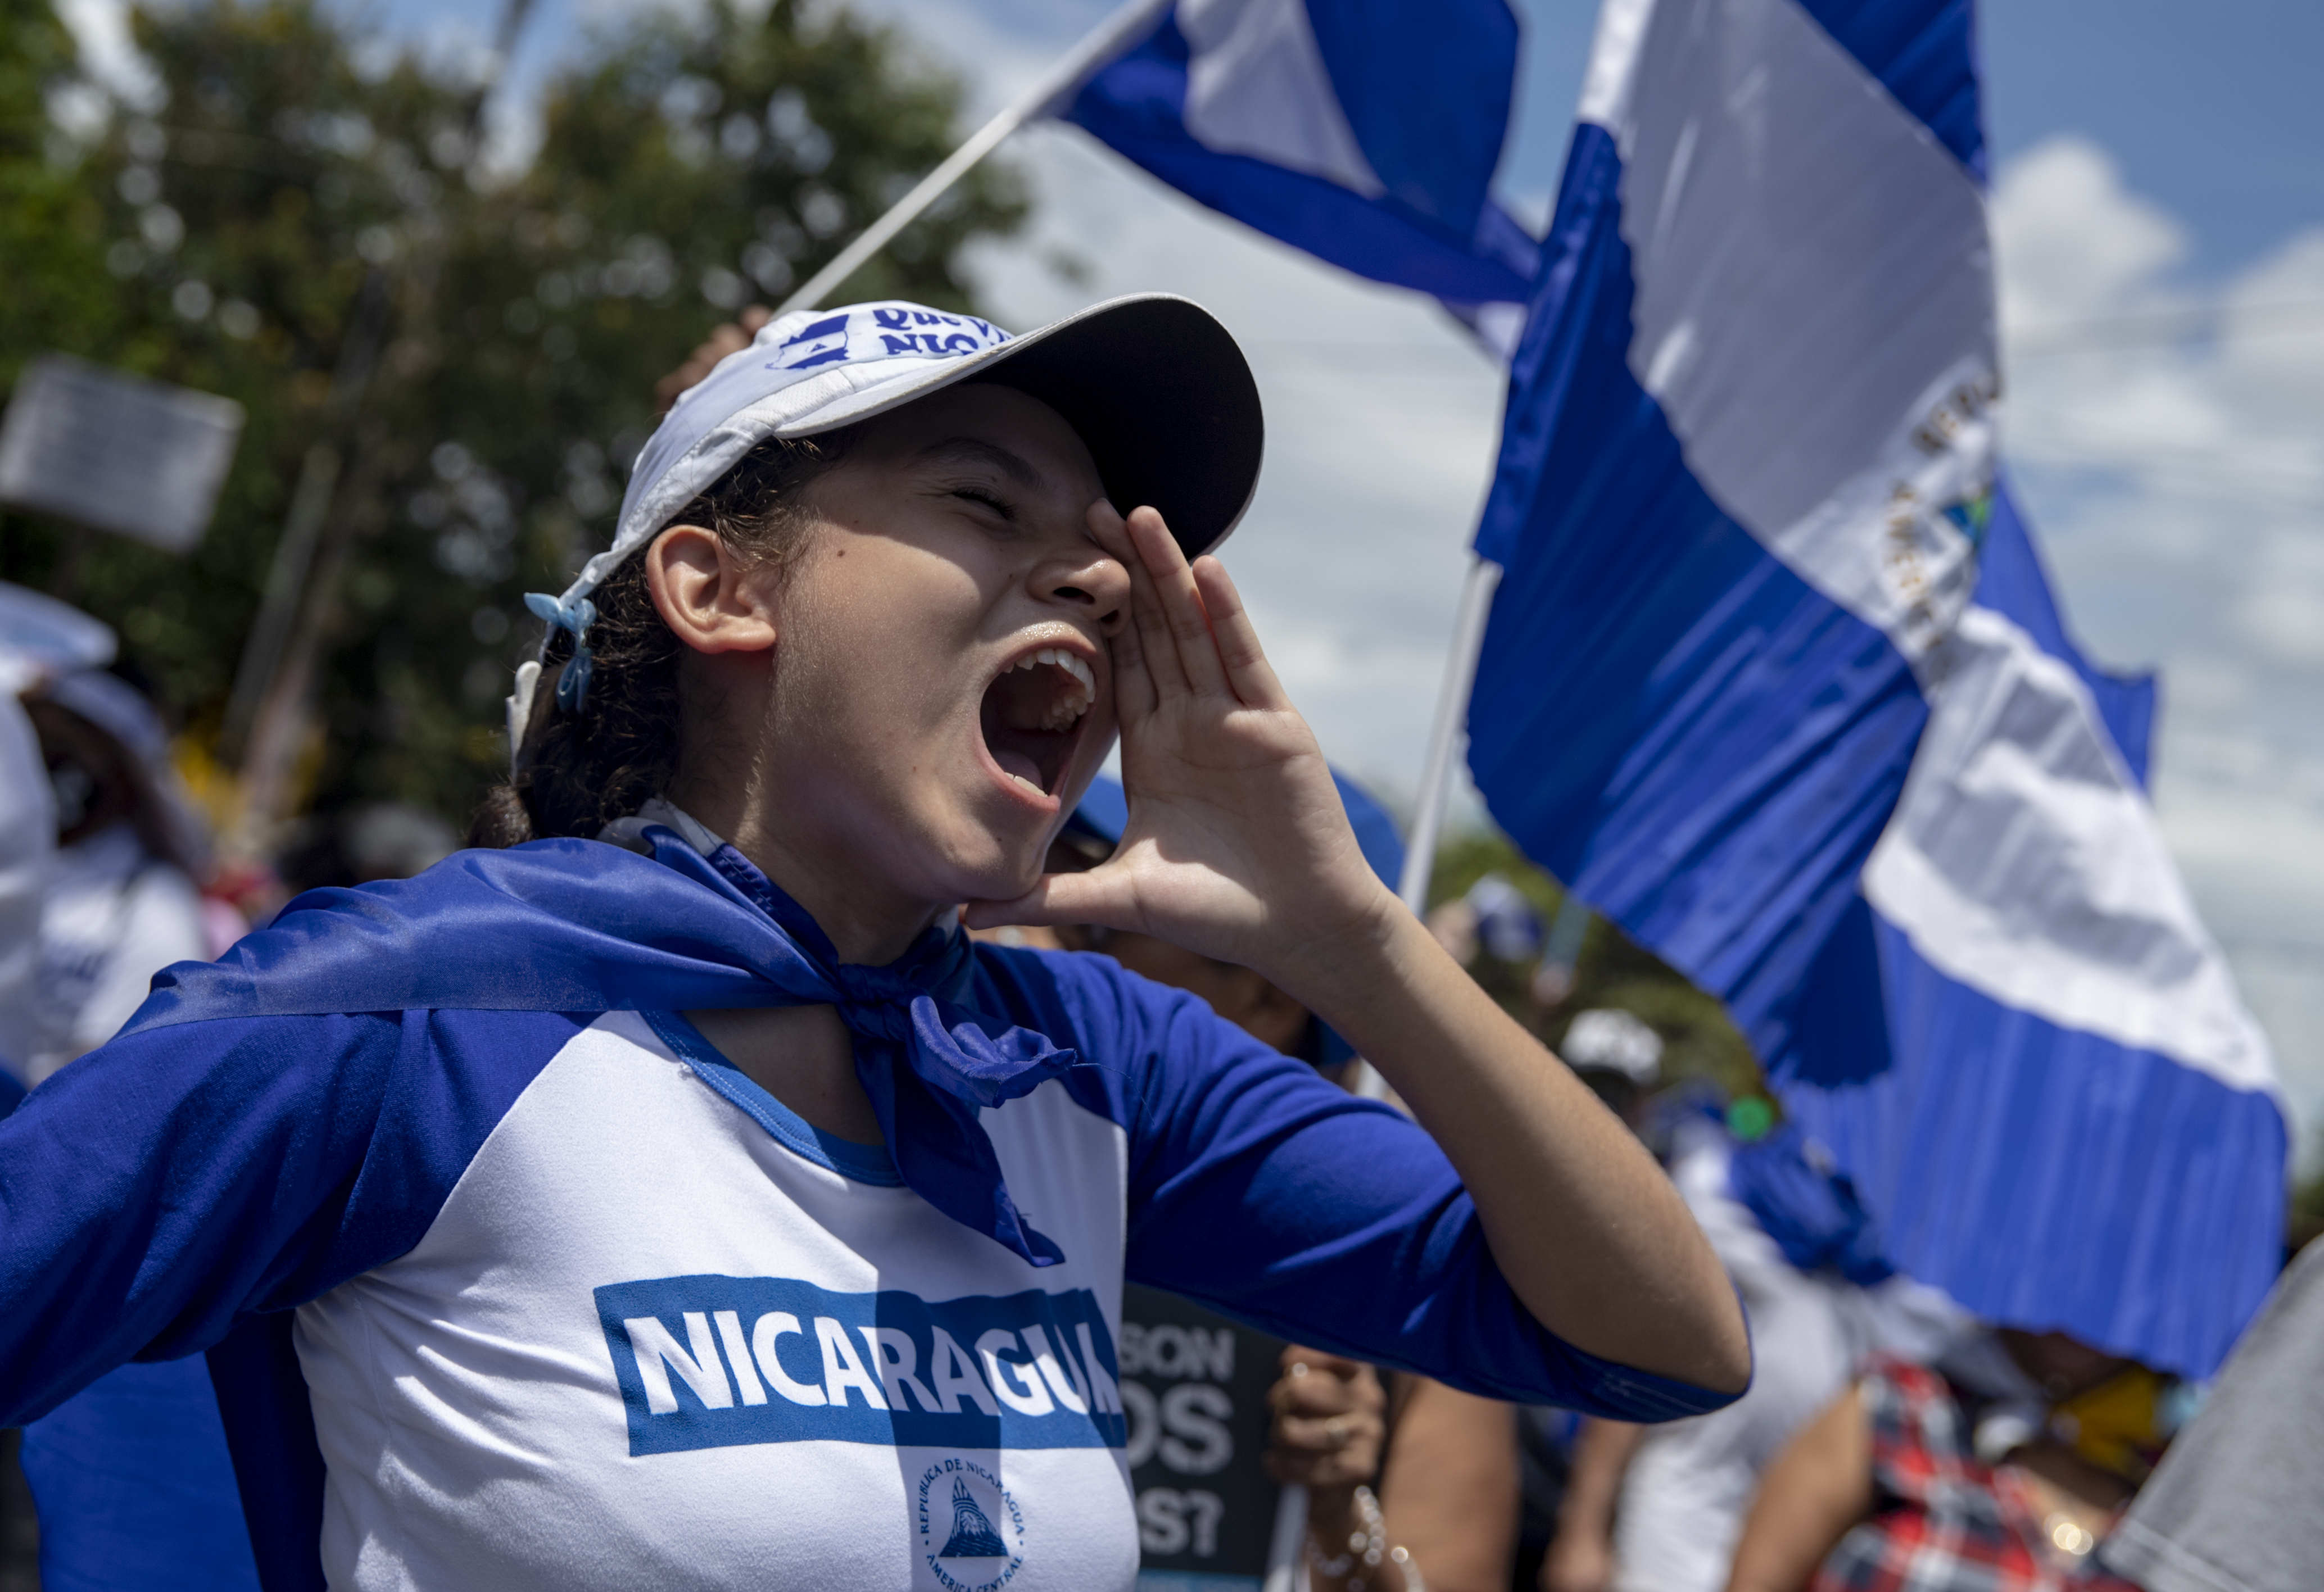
(1365, 131)
(1774, 678)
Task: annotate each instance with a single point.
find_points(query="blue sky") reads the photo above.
(2211, 108)
(2158, 202)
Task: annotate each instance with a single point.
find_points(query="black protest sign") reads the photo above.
(1193, 1385)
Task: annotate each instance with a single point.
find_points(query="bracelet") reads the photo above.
(1369, 1544)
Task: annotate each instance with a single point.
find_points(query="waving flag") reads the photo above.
(1364, 131)
(1773, 678)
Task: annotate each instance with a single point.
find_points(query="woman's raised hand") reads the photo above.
(1236, 844)
(1237, 847)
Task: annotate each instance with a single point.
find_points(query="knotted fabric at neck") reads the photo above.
(575, 925)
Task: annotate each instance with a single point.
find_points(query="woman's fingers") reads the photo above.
(1326, 1447)
(1317, 1396)
(1316, 1384)
(1103, 895)
(1182, 604)
(1134, 698)
(1248, 673)
(1330, 1449)
(1180, 641)
(1326, 1434)
(1297, 1361)
(1155, 642)
(1134, 693)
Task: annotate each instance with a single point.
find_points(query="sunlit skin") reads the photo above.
(835, 726)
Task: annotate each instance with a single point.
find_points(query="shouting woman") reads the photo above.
(670, 1192)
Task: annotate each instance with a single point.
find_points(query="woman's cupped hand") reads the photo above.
(1237, 845)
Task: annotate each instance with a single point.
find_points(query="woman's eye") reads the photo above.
(985, 500)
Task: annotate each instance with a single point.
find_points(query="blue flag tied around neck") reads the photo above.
(575, 925)
(1365, 131)
(1774, 679)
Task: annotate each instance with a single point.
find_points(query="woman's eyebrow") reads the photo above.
(977, 450)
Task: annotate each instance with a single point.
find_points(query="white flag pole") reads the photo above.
(1283, 1542)
(1052, 86)
(1436, 773)
(1445, 737)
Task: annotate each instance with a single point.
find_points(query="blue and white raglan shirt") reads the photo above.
(508, 1279)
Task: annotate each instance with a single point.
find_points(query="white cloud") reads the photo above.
(2169, 438)
(2116, 367)
(2207, 686)
(2282, 612)
(2073, 237)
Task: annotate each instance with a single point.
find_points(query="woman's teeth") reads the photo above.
(1069, 704)
(1023, 769)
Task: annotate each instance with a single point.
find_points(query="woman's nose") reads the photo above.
(1092, 582)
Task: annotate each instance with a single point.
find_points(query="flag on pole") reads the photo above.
(1365, 131)
(1774, 678)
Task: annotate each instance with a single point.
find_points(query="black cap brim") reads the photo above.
(1164, 399)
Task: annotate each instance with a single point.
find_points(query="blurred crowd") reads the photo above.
(108, 874)
(1889, 1440)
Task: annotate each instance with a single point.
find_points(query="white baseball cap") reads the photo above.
(1155, 386)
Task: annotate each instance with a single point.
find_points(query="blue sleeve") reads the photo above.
(134, 1489)
(1264, 1191)
(171, 1184)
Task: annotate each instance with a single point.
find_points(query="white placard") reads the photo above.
(116, 452)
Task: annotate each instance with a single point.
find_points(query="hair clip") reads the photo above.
(574, 618)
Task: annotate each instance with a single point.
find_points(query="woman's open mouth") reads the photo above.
(1033, 714)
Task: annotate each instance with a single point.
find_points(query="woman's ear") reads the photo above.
(707, 595)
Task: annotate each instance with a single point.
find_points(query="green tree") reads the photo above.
(2304, 1221)
(1699, 1039)
(223, 239)
(51, 227)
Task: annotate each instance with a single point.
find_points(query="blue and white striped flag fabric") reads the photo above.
(1365, 131)
(1773, 678)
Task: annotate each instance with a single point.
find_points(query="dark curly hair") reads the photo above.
(581, 771)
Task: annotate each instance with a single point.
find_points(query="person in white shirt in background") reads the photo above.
(122, 902)
(1660, 1509)
(39, 638)
(98, 850)
(28, 840)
